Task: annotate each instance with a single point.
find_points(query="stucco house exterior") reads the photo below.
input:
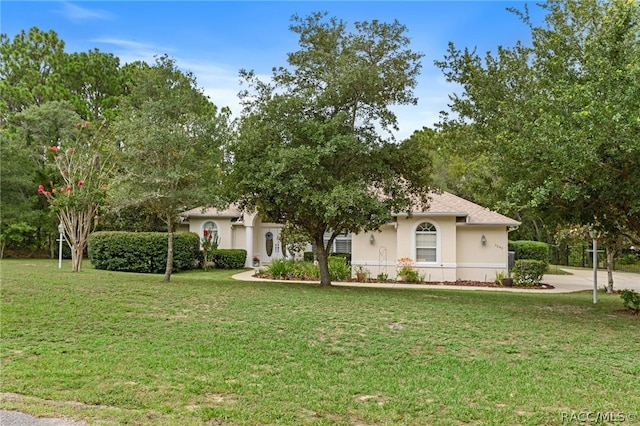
(454, 239)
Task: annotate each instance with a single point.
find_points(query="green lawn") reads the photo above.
(205, 349)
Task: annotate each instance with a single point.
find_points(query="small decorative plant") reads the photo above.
(382, 277)
(209, 246)
(361, 273)
(407, 271)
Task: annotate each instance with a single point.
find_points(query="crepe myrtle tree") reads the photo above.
(83, 163)
(309, 154)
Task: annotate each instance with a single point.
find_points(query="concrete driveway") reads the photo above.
(582, 279)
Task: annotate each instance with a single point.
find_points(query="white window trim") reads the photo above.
(438, 243)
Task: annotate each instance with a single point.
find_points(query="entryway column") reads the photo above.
(248, 245)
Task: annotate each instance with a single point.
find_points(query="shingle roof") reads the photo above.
(445, 202)
(230, 211)
(439, 203)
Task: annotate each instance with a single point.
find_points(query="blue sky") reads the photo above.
(215, 39)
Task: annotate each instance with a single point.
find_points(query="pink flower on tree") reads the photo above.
(40, 189)
(47, 194)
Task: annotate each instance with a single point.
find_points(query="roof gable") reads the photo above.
(445, 203)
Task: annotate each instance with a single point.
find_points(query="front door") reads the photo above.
(271, 245)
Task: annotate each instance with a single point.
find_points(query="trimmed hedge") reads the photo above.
(528, 271)
(142, 251)
(308, 256)
(533, 250)
(229, 258)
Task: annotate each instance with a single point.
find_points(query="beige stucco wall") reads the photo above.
(379, 257)
(460, 255)
(477, 261)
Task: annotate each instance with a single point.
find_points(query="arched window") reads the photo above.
(426, 242)
(210, 232)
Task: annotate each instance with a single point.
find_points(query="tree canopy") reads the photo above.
(560, 119)
(173, 141)
(310, 154)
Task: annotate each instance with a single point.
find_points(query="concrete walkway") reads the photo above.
(579, 280)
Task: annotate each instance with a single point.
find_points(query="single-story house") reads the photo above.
(454, 239)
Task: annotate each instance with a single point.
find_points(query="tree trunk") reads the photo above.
(610, 256)
(169, 268)
(323, 261)
(77, 227)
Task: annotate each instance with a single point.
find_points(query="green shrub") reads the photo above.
(528, 272)
(280, 268)
(308, 256)
(289, 269)
(345, 256)
(631, 300)
(533, 250)
(229, 258)
(142, 251)
(339, 269)
(627, 259)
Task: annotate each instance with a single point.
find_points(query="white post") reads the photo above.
(61, 239)
(248, 245)
(593, 233)
(595, 270)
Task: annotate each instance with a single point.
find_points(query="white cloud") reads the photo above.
(77, 14)
(130, 51)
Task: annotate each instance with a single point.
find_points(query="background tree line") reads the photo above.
(547, 133)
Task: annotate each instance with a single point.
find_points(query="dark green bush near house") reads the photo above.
(631, 300)
(229, 258)
(533, 250)
(142, 251)
(528, 272)
(308, 256)
(345, 256)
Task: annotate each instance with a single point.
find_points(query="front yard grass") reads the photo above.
(121, 348)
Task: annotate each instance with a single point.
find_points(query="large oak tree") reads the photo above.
(310, 153)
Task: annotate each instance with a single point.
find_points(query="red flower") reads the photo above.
(80, 182)
(40, 189)
(48, 194)
(53, 148)
(69, 188)
(206, 233)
